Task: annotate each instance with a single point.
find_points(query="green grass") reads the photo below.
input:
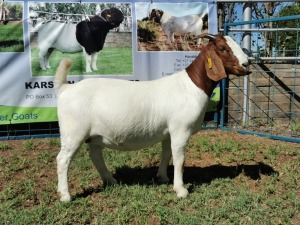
(111, 61)
(232, 179)
(12, 32)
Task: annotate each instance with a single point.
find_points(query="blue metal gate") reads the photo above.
(267, 102)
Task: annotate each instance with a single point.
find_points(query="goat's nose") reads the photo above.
(245, 64)
(246, 51)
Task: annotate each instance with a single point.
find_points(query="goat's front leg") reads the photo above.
(98, 161)
(94, 60)
(170, 37)
(43, 59)
(88, 60)
(178, 143)
(47, 56)
(198, 41)
(165, 159)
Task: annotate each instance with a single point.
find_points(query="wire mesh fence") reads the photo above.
(267, 102)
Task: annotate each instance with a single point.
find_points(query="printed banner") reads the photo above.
(131, 37)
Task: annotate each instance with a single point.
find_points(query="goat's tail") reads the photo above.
(61, 73)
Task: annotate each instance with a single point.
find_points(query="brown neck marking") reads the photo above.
(197, 73)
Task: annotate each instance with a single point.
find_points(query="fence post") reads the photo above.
(246, 45)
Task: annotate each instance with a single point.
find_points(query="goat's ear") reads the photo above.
(213, 65)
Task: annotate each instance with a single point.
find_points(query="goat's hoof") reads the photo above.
(182, 193)
(110, 181)
(163, 180)
(65, 198)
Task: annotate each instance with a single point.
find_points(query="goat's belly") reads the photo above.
(69, 44)
(71, 47)
(129, 143)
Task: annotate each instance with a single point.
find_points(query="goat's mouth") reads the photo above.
(241, 70)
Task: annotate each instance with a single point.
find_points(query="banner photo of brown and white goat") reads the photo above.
(171, 26)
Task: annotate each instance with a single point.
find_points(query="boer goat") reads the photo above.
(109, 113)
(88, 35)
(192, 24)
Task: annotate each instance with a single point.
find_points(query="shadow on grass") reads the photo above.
(197, 175)
(194, 175)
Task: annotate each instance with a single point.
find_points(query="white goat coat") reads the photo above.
(129, 115)
(185, 24)
(58, 35)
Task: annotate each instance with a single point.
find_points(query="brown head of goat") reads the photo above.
(220, 57)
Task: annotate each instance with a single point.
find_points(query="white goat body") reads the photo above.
(132, 115)
(127, 115)
(58, 35)
(170, 24)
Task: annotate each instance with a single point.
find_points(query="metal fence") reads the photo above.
(29, 130)
(267, 102)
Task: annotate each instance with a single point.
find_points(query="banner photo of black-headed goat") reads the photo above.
(93, 35)
(131, 40)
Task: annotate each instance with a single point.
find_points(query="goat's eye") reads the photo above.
(223, 49)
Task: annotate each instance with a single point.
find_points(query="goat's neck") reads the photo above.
(197, 73)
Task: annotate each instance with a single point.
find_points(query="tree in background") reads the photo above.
(290, 40)
(79, 10)
(231, 12)
(15, 10)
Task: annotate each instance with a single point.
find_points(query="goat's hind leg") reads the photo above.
(96, 155)
(165, 159)
(67, 152)
(44, 55)
(88, 61)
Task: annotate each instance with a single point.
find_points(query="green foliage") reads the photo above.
(15, 10)
(4, 146)
(30, 144)
(11, 32)
(76, 8)
(290, 39)
(296, 127)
